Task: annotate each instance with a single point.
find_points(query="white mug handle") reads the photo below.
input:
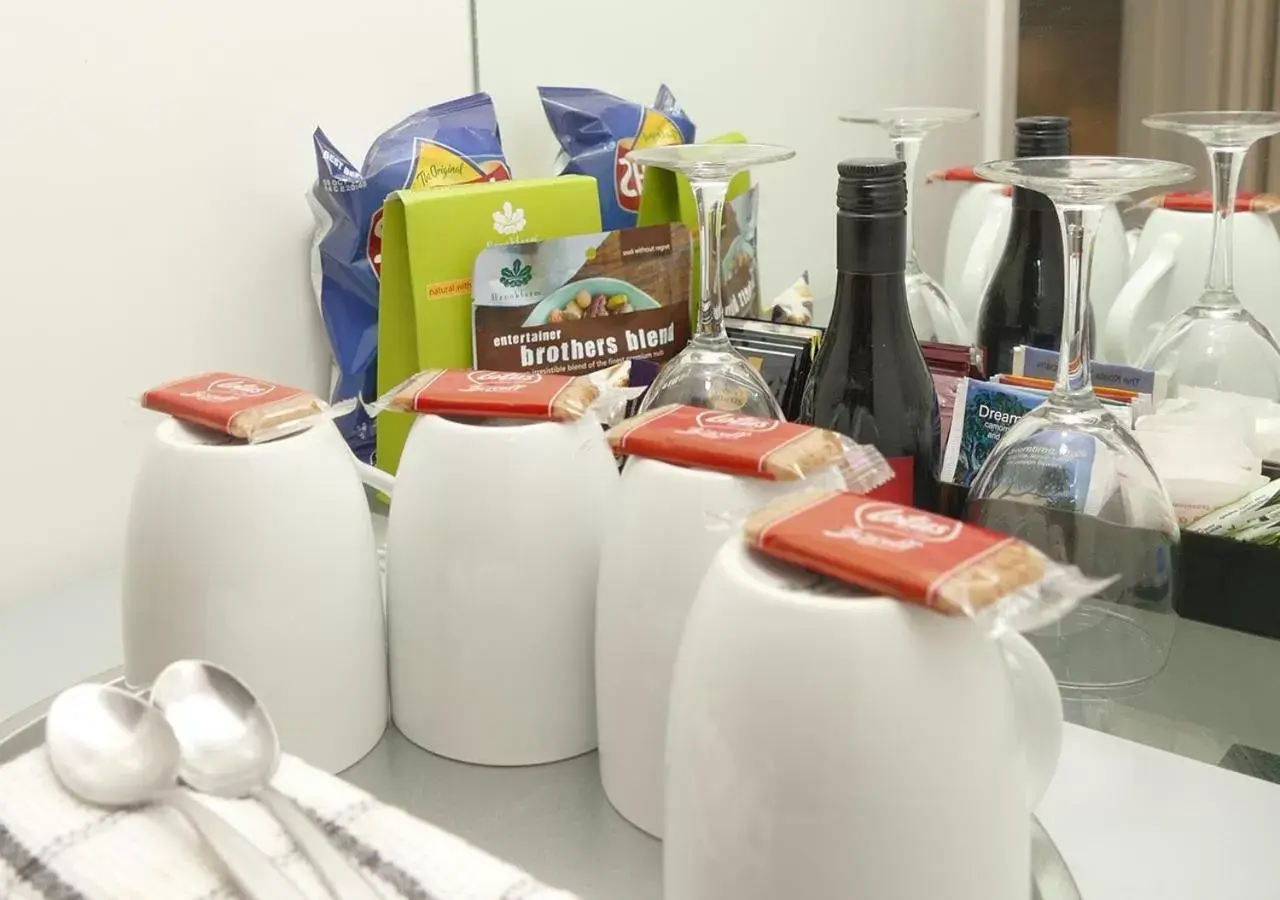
(977, 266)
(1038, 706)
(380, 481)
(1117, 337)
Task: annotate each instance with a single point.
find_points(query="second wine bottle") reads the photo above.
(869, 380)
(1022, 304)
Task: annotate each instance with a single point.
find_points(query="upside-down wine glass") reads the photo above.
(709, 372)
(933, 314)
(1217, 343)
(1069, 478)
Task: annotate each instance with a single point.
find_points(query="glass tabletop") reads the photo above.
(1214, 703)
(554, 820)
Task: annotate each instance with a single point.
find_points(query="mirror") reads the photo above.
(1107, 64)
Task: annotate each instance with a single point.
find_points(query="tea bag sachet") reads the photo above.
(918, 557)
(248, 409)
(735, 444)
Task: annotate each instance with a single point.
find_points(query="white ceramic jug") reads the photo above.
(493, 544)
(260, 558)
(1169, 269)
(827, 744)
(670, 522)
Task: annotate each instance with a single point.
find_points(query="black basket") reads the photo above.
(1219, 581)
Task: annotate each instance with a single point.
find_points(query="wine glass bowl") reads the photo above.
(709, 372)
(1069, 478)
(1219, 347)
(933, 314)
(1216, 343)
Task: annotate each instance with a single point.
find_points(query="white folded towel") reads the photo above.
(53, 847)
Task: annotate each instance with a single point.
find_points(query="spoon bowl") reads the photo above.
(110, 748)
(228, 744)
(113, 749)
(229, 747)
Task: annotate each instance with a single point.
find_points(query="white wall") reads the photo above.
(154, 154)
(153, 160)
(778, 72)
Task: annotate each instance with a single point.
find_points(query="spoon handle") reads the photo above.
(341, 877)
(248, 866)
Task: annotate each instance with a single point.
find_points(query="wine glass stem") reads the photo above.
(1079, 224)
(1225, 164)
(907, 148)
(709, 196)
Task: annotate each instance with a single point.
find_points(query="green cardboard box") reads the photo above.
(430, 241)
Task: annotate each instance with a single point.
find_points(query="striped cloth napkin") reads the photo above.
(53, 847)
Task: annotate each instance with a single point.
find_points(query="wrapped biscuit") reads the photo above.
(746, 445)
(479, 393)
(248, 409)
(1202, 201)
(918, 557)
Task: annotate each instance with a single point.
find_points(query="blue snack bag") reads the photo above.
(597, 132)
(451, 143)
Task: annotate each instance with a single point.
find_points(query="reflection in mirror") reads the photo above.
(1108, 64)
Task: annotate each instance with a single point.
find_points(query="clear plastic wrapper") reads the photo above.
(918, 557)
(247, 409)
(478, 393)
(735, 444)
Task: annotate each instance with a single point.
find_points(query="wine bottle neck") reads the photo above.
(871, 245)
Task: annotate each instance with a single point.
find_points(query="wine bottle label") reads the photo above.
(744, 445)
(915, 556)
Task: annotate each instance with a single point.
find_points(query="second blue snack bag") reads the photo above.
(597, 132)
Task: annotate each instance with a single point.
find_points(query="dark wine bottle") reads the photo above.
(869, 380)
(1022, 303)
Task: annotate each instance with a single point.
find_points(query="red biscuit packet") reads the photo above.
(1202, 201)
(961, 173)
(746, 445)
(246, 408)
(480, 393)
(919, 557)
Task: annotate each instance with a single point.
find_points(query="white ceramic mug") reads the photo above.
(493, 544)
(670, 522)
(827, 744)
(260, 558)
(1168, 275)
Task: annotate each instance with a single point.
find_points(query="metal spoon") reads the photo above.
(112, 749)
(230, 748)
